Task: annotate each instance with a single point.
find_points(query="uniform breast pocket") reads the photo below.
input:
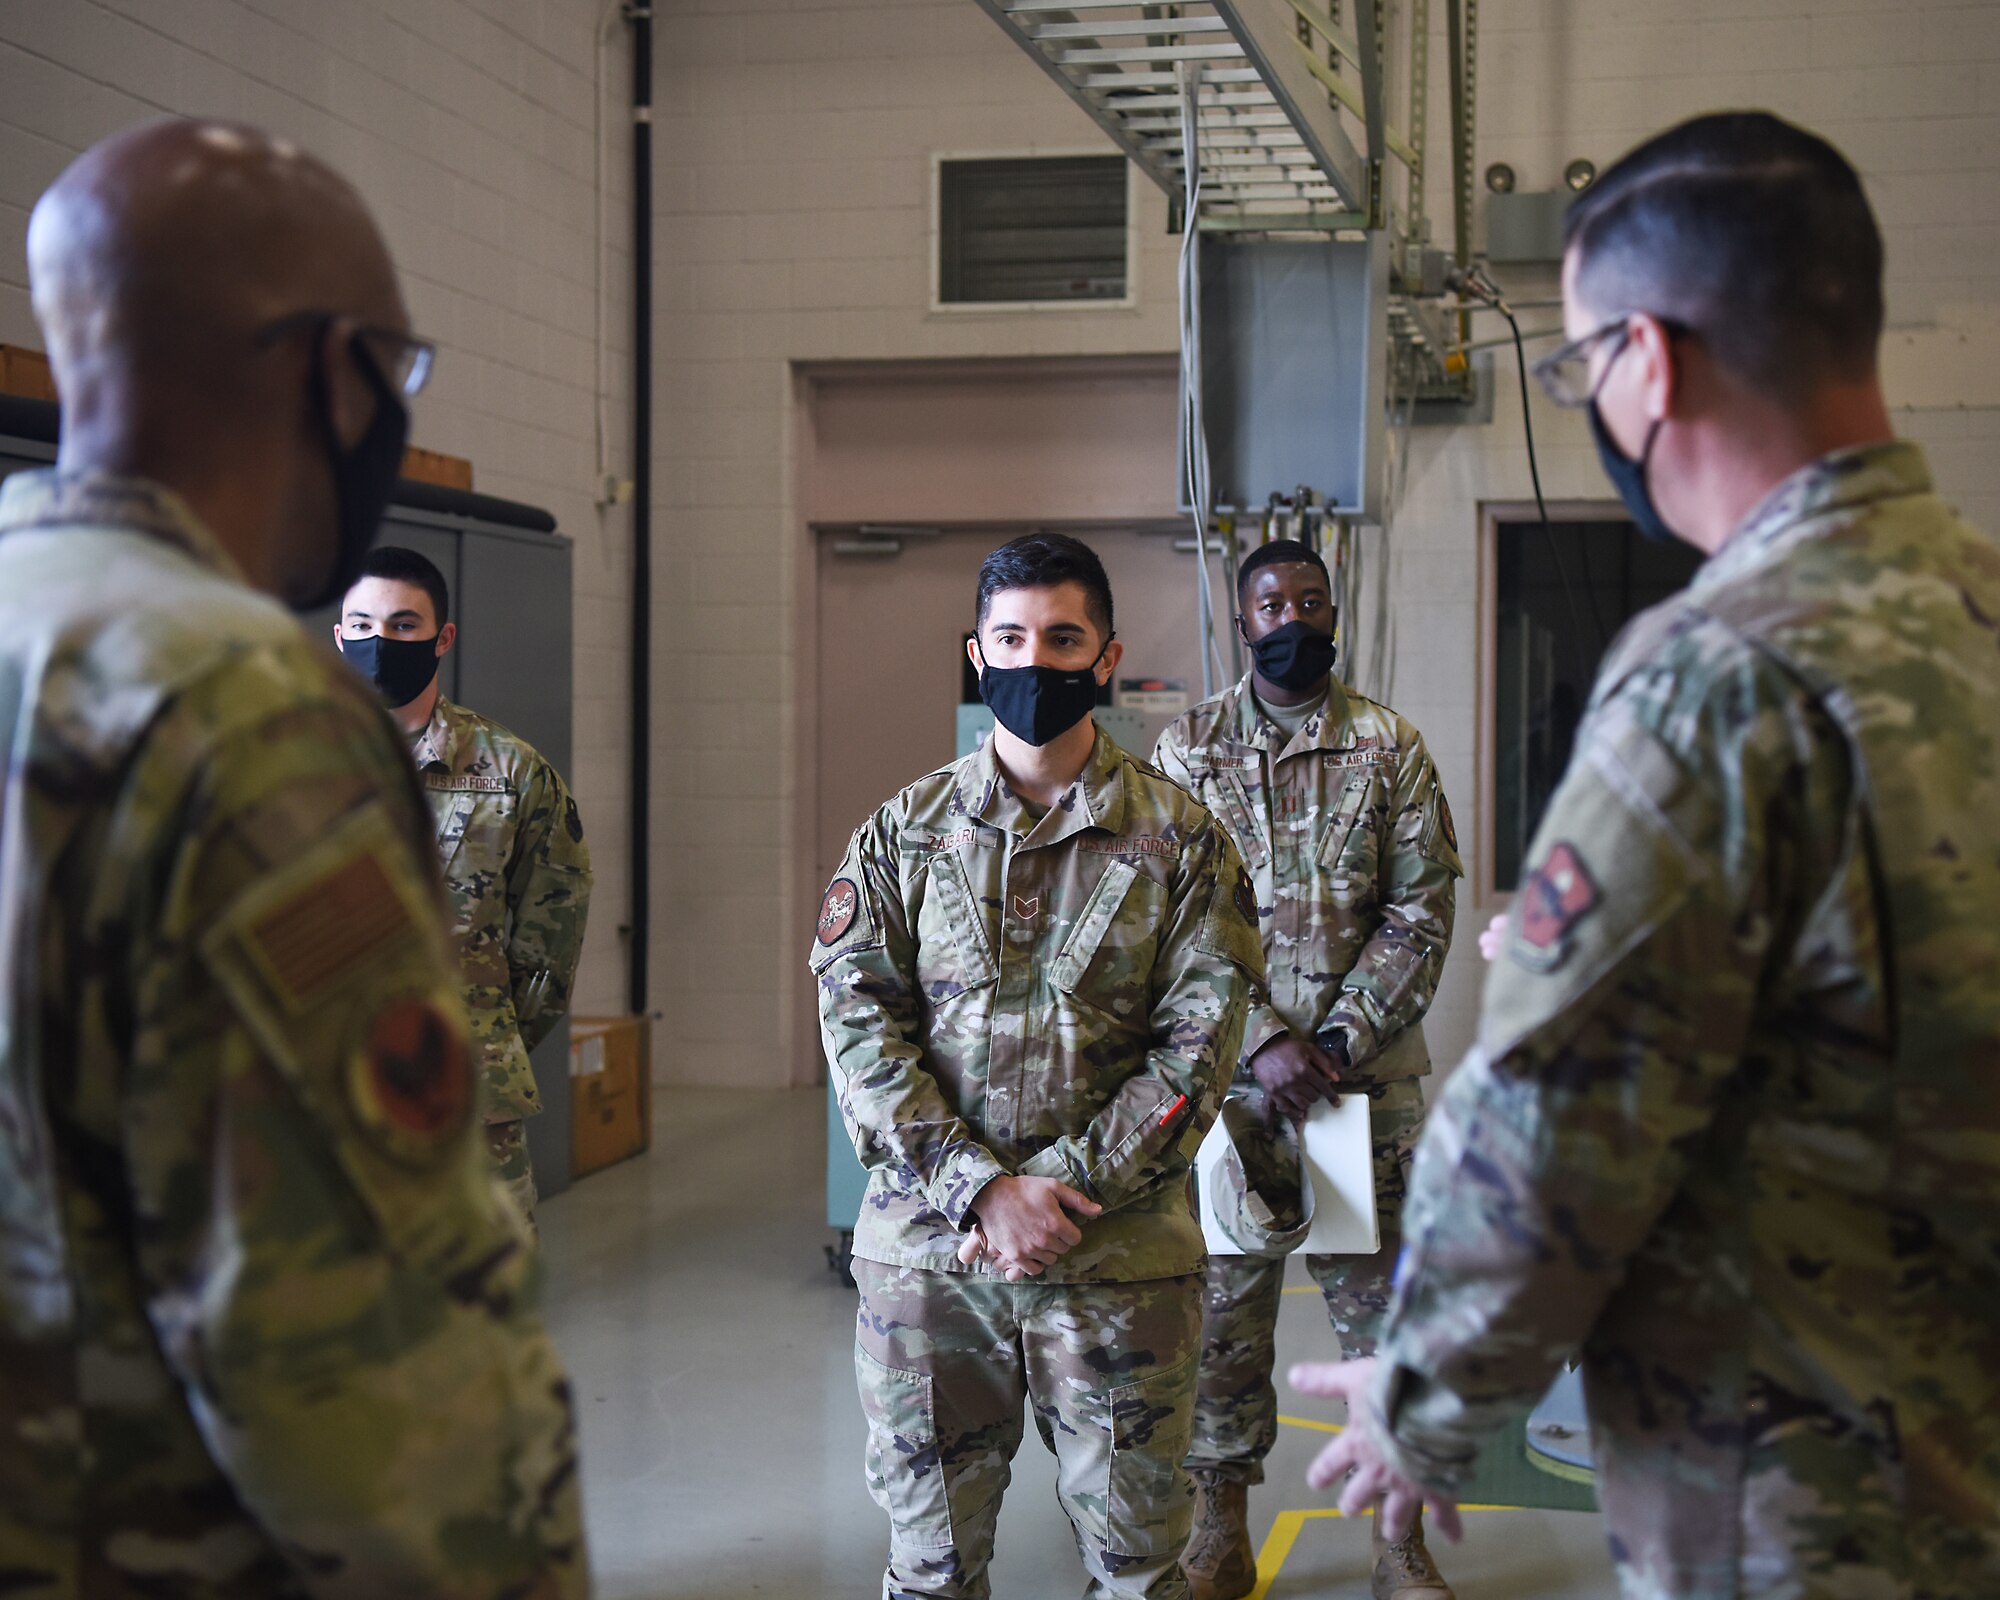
(1107, 960)
(454, 814)
(954, 955)
(1241, 810)
(1349, 845)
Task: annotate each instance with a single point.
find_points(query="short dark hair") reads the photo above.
(1041, 561)
(1272, 554)
(401, 565)
(1750, 232)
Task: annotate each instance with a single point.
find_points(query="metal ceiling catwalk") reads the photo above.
(1282, 83)
(1274, 152)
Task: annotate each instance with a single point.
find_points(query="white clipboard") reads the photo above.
(1339, 1158)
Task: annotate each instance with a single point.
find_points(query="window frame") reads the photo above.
(1492, 514)
(940, 307)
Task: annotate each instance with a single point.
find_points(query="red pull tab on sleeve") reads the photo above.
(1173, 1110)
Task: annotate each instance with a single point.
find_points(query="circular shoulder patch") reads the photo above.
(411, 1082)
(837, 911)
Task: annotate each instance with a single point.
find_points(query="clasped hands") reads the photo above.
(1024, 1226)
(1295, 1075)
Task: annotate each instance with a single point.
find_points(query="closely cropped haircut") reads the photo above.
(1041, 561)
(1275, 553)
(400, 565)
(1750, 232)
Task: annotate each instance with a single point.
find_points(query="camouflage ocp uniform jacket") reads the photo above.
(1732, 1122)
(517, 879)
(267, 1327)
(1350, 844)
(1055, 998)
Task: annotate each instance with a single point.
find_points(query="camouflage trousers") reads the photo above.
(507, 1143)
(945, 1361)
(1236, 1412)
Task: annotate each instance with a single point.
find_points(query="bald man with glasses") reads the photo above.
(267, 1325)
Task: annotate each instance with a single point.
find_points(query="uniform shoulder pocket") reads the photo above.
(334, 967)
(847, 920)
(1229, 928)
(1612, 863)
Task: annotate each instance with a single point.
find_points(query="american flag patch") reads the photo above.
(324, 931)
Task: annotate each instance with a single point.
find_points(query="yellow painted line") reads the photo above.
(1303, 1288)
(1278, 1544)
(1568, 1471)
(1285, 1530)
(1310, 1422)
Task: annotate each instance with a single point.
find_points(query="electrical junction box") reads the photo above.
(1526, 227)
(1294, 349)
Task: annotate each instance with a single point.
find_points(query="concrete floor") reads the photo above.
(711, 1349)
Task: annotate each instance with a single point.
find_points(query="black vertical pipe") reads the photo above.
(641, 18)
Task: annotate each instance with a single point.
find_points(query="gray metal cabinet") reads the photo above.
(510, 595)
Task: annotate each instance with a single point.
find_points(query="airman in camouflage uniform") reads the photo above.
(509, 841)
(267, 1327)
(1732, 1121)
(1012, 992)
(1349, 842)
(517, 880)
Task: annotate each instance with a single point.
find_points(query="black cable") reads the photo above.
(1586, 673)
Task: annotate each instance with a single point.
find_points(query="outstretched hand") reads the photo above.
(1493, 937)
(1354, 1456)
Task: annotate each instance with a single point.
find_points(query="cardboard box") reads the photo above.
(26, 372)
(610, 1090)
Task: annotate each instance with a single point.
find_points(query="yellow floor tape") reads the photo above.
(1288, 1525)
(1285, 1531)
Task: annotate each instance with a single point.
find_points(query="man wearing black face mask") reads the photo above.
(1335, 804)
(266, 1325)
(509, 842)
(1033, 967)
(1731, 1127)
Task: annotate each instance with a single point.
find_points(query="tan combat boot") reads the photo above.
(1218, 1560)
(1404, 1570)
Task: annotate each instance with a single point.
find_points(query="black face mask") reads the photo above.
(1628, 477)
(400, 669)
(1294, 657)
(1037, 704)
(364, 477)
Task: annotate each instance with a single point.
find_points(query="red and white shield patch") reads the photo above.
(1558, 895)
(837, 910)
(410, 1082)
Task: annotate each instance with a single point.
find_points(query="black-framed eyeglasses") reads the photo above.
(409, 359)
(1565, 374)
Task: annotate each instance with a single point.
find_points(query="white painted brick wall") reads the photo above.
(469, 128)
(796, 137)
